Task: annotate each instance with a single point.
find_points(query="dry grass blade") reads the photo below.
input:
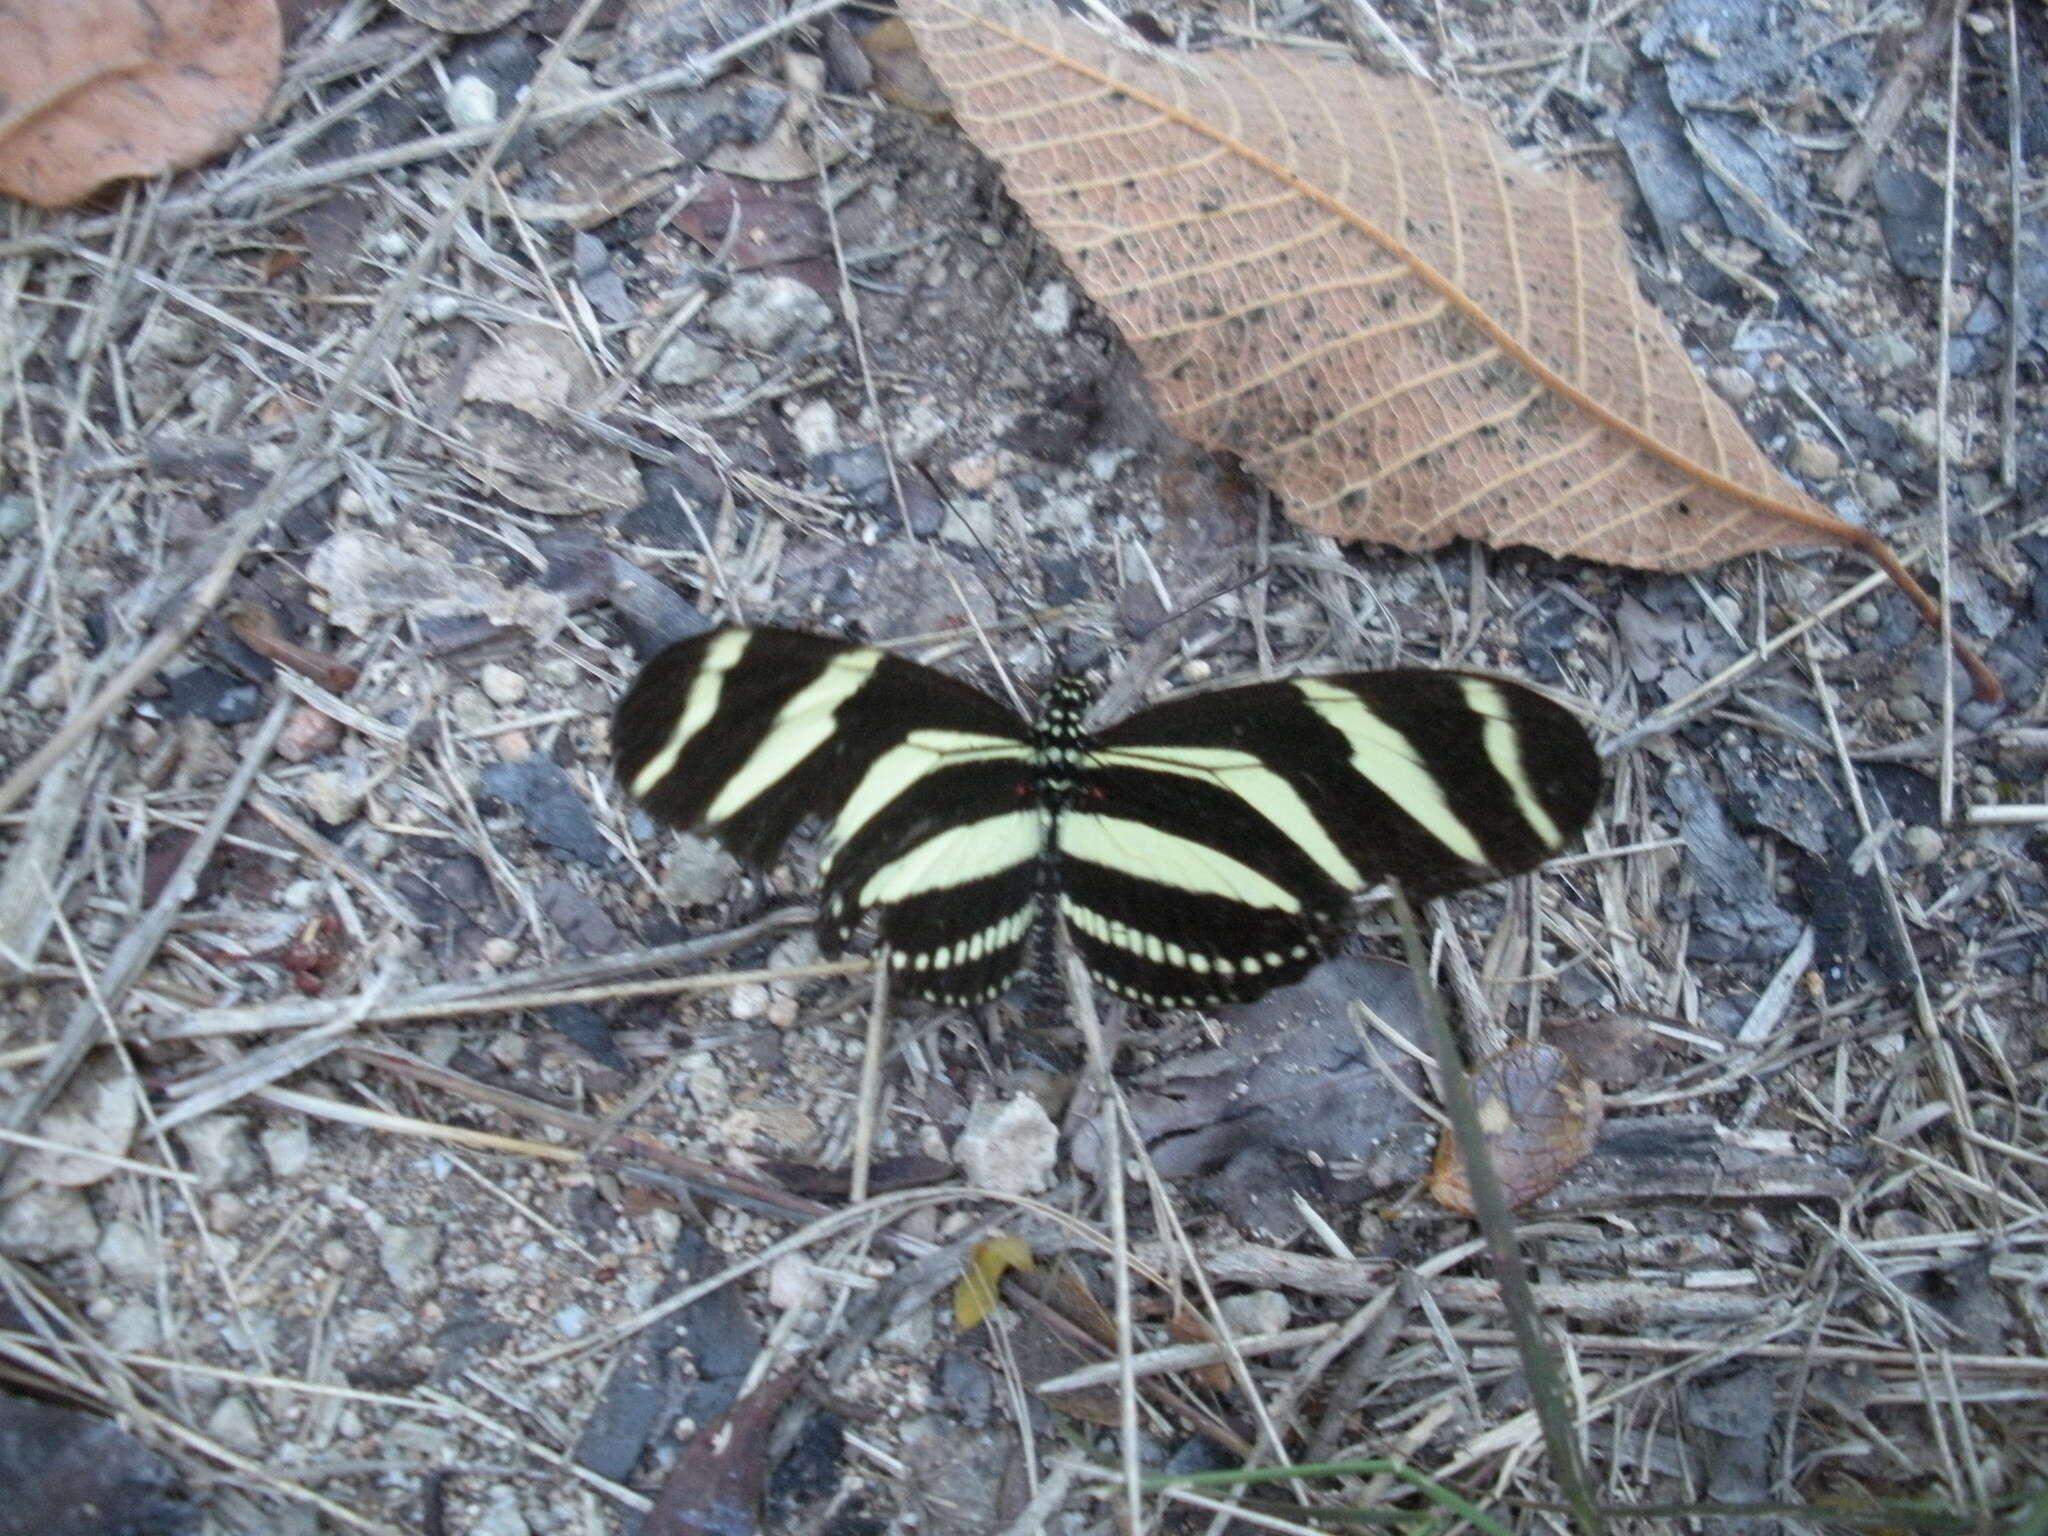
(1349, 282)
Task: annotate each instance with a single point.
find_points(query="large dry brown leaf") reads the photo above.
(92, 90)
(1347, 281)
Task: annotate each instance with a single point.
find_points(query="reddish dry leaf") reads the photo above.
(257, 628)
(714, 1488)
(94, 90)
(756, 224)
(1540, 1115)
(1348, 281)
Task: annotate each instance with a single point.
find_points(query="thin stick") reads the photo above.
(1109, 1126)
(2015, 300)
(869, 1097)
(1941, 373)
(1497, 1225)
(537, 987)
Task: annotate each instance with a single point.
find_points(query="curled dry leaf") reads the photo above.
(94, 90)
(1541, 1116)
(257, 628)
(979, 1287)
(1349, 282)
(901, 76)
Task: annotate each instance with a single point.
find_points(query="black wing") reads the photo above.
(1214, 842)
(923, 783)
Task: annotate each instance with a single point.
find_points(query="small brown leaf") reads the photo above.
(756, 224)
(902, 78)
(1348, 281)
(94, 90)
(257, 628)
(606, 170)
(716, 1483)
(1540, 1115)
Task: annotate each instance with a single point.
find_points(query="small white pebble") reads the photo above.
(471, 102)
(1815, 461)
(501, 685)
(571, 1321)
(1735, 385)
(749, 1001)
(815, 426)
(498, 951)
(1923, 844)
(793, 1283)
(1053, 314)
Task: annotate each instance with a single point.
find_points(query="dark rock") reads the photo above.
(583, 924)
(653, 614)
(967, 1386)
(211, 694)
(810, 1472)
(1909, 215)
(1291, 1099)
(551, 806)
(1735, 915)
(861, 471)
(71, 1473)
(681, 495)
(586, 1029)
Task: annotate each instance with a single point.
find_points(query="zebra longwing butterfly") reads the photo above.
(1203, 850)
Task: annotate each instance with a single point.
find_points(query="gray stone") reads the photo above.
(501, 685)
(1256, 1312)
(501, 1516)
(1890, 353)
(699, 872)
(1815, 461)
(407, 1255)
(762, 312)
(44, 1223)
(471, 102)
(222, 1154)
(135, 1327)
(686, 361)
(1923, 844)
(127, 1252)
(1009, 1145)
(233, 1424)
(1735, 385)
(288, 1148)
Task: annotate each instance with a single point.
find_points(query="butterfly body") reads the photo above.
(1203, 850)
